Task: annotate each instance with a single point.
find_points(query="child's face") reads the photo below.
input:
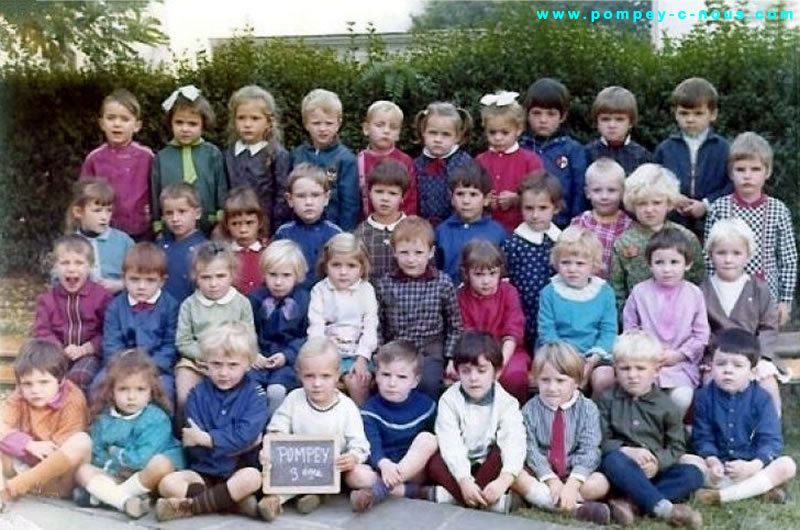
(132, 393)
(244, 228)
(502, 133)
(555, 388)
(440, 135)
(476, 379)
(319, 375)
(636, 377)
(214, 279)
(468, 203)
(652, 211)
(72, 269)
(605, 193)
(386, 200)
(694, 120)
(731, 371)
(413, 256)
(668, 266)
(187, 126)
(729, 257)
(280, 280)
(343, 270)
(141, 285)
(308, 199)
(396, 380)
(252, 124)
(226, 370)
(575, 270)
(484, 282)
(614, 126)
(180, 216)
(749, 176)
(537, 210)
(93, 216)
(322, 127)
(38, 388)
(118, 124)
(545, 122)
(382, 131)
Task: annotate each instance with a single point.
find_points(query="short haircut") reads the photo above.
(470, 175)
(85, 192)
(145, 258)
(547, 93)
(231, 339)
(307, 170)
(400, 351)
(412, 228)
(210, 251)
(317, 347)
(321, 99)
(125, 98)
(43, 355)
(242, 200)
(739, 342)
(669, 237)
(462, 120)
(578, 241)
(694, 92)
(481, 254)
(200, 105)
(638, 345)
(751, 146)
(343, 243)
(542, 182)
(728, 230)
(74, 243)
(389, 172)
(511, 111)
(563, 357)
(472, 345)
(605, 167)
(615, 100)
(284, 252)
(180, 190)
(649, 180)
(388, 107)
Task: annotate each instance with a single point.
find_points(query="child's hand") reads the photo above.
(568, 498)
(263, 457)
(695, 208)
(588, 366)
(390, 473)
(359, 370)
(672, 357)
(195, 436)
(73, 352)
(784, 310)
(112, 286)
(492, 199)
(42, 449)
(473, 496)
(346, 462)
(507, 199)
(276, 360)
(261, 362)
(715, 469)
(497, 488)
(741, 469)
(682, 203)
(650, 468)
(555, 486)
(450, 374)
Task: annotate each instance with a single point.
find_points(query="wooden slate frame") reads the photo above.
(271, 489)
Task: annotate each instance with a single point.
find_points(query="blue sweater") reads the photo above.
(110, 248)
(311, 238)
(432, 191)
(392, 427)
(281, 324)
(179, 263)
(452, 234)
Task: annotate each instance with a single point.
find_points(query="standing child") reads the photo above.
(244, 224)
(188, 157)
(322, 118)
(256, 158)
(344, 309)
(123, 163)
(442, 127)
(382, 129)
(41, 425)
(504, 120)
(546, 106)
(578, 307)
(225, 416)
(605, 180)
(71, 312)
(132, 443)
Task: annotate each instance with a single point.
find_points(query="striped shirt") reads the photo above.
(391, 427)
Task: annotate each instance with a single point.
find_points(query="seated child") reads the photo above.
(343, 308)
(71, 312)
(643, 438)
(225, 416)
(737, 434)
(605, 180)
(398, 421)
(470, 187)
(41, 425)
(132, 443)
(418, 303)
(319, 408)
(244, 224)
(673, 311)
(578, 308)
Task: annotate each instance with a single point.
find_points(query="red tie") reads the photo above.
(142, 306)
(558, 455)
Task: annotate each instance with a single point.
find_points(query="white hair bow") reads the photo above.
(501, 99)
(190, 92)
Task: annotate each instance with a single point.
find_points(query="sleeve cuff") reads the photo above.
(580, 477)
(14, 443)
(546, 477)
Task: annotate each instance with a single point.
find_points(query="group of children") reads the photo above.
(191, 350)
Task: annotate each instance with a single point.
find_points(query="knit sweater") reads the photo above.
(311, 237)
(198, 313)
(453, 233)
(179, 262)
(349, 317)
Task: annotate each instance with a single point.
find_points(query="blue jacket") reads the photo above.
(311, 238)
(233, 418)
(110, 248)
(340, 164)
(451, 236)
(709, 178)
(179, 263)
(281, 325)
(432, 191)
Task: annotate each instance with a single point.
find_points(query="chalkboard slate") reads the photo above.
(301, 464)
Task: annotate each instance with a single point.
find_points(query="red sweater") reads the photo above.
(366, 162)
(249, 277)
(508, 170)
(499, 314)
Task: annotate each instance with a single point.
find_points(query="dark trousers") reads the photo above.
(431, 382)
(484, 473)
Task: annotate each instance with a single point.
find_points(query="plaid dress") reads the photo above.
(607, 233)
(377, 239)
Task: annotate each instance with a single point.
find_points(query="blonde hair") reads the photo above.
(388, 107)
(461, 118)
(648, 180)
(603, 167)
(512, 111)
(727, 230)
(316, 347)
(563, 357)
(321, 99)
(751, 146)
(345, 244)
(232, 339)
(307, 170)
(284, 252)
(180, 190)
(578, 241)
(85, 192)
(638, 345)
(255, 94)
(73, 243)
(615, 100)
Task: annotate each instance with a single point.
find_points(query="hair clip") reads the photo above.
(190, 92)
(500, 99)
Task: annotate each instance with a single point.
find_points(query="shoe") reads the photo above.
(622, 512)
(137, 506)
(81, 497)
(776, 495)
(442, 496)
(269, 507)
(168, 509)
(707, 496)
(503, 505)
(362, 500)
(248, 506)
(684, 515)
(307, 503)
(594, 512)
(517, 502)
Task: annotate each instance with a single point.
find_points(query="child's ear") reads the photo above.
(198, 213)
(563, 117)
(327, 197)
(137, 126)
(77, 212)
(713, 117)
(365, 128)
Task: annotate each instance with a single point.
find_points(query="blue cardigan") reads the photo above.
(453, 233)
(311, 237)
(179, 263)
(281, 325)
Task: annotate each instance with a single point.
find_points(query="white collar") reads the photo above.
(375, 224)
(152, 300)
(115, 414)
(696, 139)
(566, 404)
(329, 285)
(513, 149)
(240, 146)
(226, 298)
(579, 295)
(626, 141)
(255, 246)
(529, 234)
(448, 155)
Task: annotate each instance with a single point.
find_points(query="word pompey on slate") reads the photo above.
(301, 464)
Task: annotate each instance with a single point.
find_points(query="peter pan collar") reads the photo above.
(529, 234)
(221, 301)
(578, 295)
(380, 226)
(448, 155)
(566, 405)
(255, 246)
(513, 149)
(240, 146)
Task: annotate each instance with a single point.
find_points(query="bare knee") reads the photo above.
(247, 480)
(172, 485)
(360, 477)
(426, 441)
(595, 487)
(786, 467)
(160, 464)
(77, 448)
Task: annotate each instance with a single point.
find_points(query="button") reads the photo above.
(636, 423)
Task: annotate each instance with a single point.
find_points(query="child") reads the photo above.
(322, 118)
(225, 416)
(308, 195)
(319, 408)
(344, 309)
(774, 259)
(71, 312)
(605, 180)
(578, 308)
(132, 443)
(123, 163)
(643, 438)
(214, 302)
(244, 223)
(189, 158)
(504, 120)
(563, 433)
(89, 214)
(479, 429)
(418, 303)
(650, 193)
(490, 304)
(256, 158)
(470, 187)
(546, 106)
(737, 434)
(143, 316)
(527, 251)
(442, 128)
(696, 155)
(280, 310)
(614, 113)
(398, 422)
(382, 129)
(41, 425)
(388, 183)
